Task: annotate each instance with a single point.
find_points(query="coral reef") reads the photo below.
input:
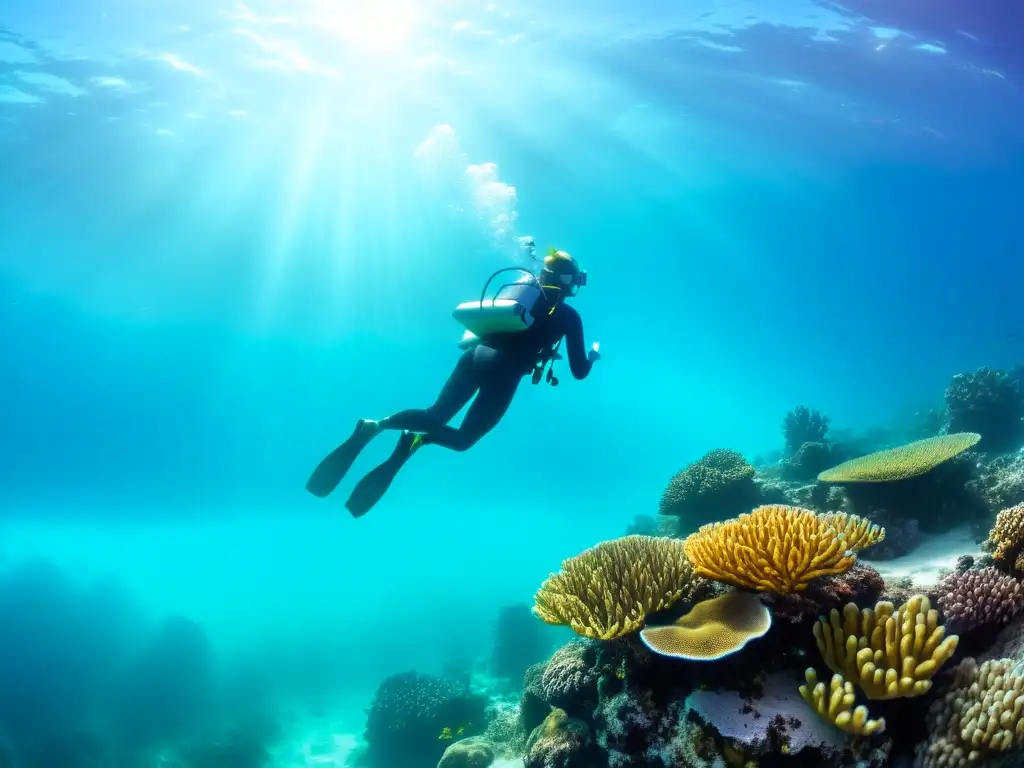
(903, 462)
(862, 585)
(560, 742)
(1006, 539)
(412, 713)
(570, 676)
(1000, 481)
(713, 629)
(719, 484)
(533, 707)
(474, 752)
(809, 460)
(978, 599)
(519, 642)
(902, 534)
(610, 589)
(779, 548)
(978, 722)
(990, 403)
(803, 425)
(834, 705)
(889, 653)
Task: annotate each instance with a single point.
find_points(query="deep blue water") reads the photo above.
(228, 231)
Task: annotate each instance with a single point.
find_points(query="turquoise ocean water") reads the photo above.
(228, 230)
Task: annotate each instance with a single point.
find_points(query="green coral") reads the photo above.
(720, 484)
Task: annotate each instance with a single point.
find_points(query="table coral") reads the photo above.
(903, 462)
(779, 548)
(834, 705)
(609, 590)
(713, 629)
(889, 653)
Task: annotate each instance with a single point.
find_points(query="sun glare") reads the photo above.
(379, 27)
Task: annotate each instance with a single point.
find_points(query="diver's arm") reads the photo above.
(579, 363)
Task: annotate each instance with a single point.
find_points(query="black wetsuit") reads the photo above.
(492, 371)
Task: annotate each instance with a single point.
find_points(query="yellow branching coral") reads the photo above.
(1006, 539)
(713, 629)
(777, 548)
(981, 715)
(903, 462)
(609, 590)
(889, 653)
(835, 705)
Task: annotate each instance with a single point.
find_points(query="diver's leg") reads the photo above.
(336, 464)
(460, 387)
(491, 404)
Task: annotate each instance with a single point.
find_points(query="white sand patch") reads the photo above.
(934, 553)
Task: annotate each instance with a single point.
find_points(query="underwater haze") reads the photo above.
(230, 230)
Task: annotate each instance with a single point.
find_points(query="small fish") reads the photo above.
(446, 733)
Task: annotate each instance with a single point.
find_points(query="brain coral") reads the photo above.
(973, 599)
(889, 653)
(779, 548)
(901, 463)
(609, 590)
(713, 629)
(717, 485)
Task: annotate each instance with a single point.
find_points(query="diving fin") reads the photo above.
(375, 484)
(332, 469)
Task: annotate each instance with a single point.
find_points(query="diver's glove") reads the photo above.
(593, 355)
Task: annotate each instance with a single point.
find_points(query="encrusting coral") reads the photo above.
(977, 720)
(903, 462)
(713, 629)
(779, 548)
(1006, 539)
(971, 600)
(609, 590)
(889, 653)
(835, 705)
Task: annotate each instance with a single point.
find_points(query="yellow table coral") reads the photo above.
(609, 590)
(779, 548)
(713, 629)
(889, 653)
(835, 705)
(902, 462)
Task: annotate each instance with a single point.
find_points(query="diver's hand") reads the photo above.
(593, 355)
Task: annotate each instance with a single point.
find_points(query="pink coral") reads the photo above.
(973, 599)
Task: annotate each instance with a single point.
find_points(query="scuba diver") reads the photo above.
(516, 333)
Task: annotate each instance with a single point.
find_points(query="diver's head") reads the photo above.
(561, 273)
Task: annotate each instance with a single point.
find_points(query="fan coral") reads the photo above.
(979, 717)
(903, 462)
(835, 705)
(778, 548)
(570, 676)
(889, 655)
(716, 486)
(713, 629)
(468, 753)
(988, 402)
(1006, 539)
(609, 590)
(983, 598)
(803, 425)
(409, 713)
